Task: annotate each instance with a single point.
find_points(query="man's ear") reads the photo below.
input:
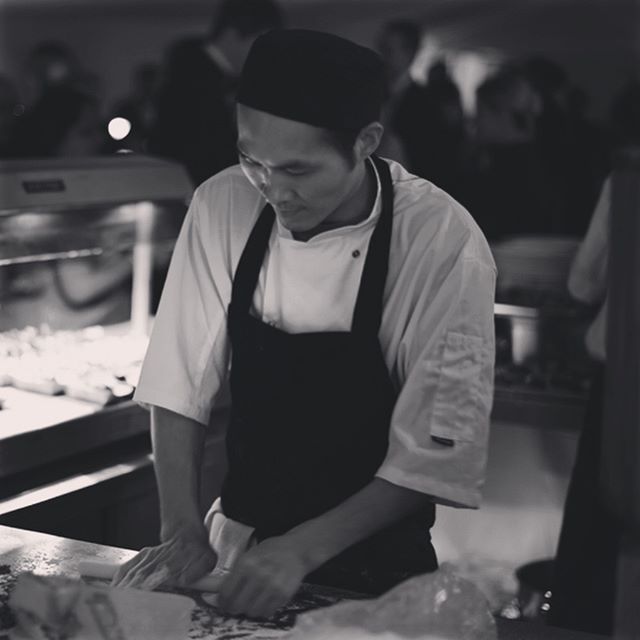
(368, 140)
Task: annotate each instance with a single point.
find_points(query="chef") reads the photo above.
(349, 304)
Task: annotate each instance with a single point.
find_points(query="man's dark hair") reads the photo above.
(408, 32)
(247, 17)
(343, 141)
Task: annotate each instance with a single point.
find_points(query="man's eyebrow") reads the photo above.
(296, 164)
(292, 164)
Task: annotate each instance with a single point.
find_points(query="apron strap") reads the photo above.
(247, 272)
(367, 314)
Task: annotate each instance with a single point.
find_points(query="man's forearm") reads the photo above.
(178, 443)
(377, 505)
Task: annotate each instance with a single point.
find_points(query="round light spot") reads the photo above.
(119, 128)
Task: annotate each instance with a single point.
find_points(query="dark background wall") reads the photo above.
(597, 41)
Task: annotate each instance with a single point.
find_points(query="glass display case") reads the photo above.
(84, 246)
(84, 243)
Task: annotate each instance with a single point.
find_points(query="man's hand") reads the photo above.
(263, 579)
(179, 561)
(268, 575)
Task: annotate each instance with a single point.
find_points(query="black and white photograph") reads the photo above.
(319, 319)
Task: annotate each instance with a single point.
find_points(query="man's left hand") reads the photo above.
(263, 579)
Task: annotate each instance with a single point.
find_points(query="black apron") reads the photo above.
(310, 419)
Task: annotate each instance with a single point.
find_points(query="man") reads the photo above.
(353, 305)
(195, 107)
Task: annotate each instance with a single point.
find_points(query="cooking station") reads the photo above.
(22, 551)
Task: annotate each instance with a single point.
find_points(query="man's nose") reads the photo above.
(274, 187)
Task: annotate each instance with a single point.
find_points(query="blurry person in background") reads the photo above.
(427, 120)
(10, 110)
(398, 43)
(592, 150)
(139, 108)
(195, 111)
(585, 563)
(447, 152)
(507, 191)
(572, 153)
(583, 592)
(64, 118)
(624, 115)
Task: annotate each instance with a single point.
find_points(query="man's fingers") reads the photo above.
(150, 562)
(254, 596)
(164, 565)
(195, 570)
(265, 604)
(128, 567)
(242, 598)
(157, 578)
(231, 590)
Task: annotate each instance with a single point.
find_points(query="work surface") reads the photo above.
(30, 551)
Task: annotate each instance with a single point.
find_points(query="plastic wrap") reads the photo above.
(435, 606)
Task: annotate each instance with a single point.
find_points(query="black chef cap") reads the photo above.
(313, 77)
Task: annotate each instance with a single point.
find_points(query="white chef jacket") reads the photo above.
(436, 334)
(588, 274)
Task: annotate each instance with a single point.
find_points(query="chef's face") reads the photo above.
(306, 179)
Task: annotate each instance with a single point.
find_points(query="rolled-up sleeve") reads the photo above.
(187, 360)
(439, 431)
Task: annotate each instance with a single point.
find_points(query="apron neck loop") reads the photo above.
(367, 314)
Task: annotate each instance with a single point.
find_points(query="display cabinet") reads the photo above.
(84, 248)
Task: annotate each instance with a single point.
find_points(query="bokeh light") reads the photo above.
(119, 128)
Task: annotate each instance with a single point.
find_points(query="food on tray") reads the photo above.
(36, 381)
(89, 364)
(435, 606)
(59, 608)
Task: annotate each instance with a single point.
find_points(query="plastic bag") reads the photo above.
(435, 606)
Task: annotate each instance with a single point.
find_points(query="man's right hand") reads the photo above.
(179, 561)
